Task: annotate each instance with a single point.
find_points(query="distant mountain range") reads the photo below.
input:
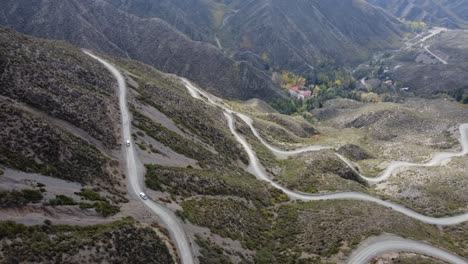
(180, 36)
(100, 26)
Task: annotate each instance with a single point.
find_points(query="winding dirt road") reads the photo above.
(377, 246)
(135, 171)
(366, 252)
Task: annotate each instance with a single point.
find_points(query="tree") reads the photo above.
(265, 57)
(316, 91)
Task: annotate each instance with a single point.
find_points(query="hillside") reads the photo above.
(426, 68)
(59, 115)
(192, 17)
(295, 34)
(156, 131)
(253, 36)
(445, 13)
(98, 25)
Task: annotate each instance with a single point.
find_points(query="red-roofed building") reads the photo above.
(295, 88)
(306, 93)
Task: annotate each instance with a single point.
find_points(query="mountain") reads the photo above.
(192, 17)
(446, 13)
(100, 26)
(180, 36)
(295, 33)
(425, 75)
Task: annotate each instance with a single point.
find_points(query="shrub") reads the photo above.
(91, 195)
(10, 229)
(62, 200)
(33, 196)
(85, 205)
(106, 209)
(19, 198)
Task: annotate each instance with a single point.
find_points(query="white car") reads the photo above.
(128, 143)
(143, 196)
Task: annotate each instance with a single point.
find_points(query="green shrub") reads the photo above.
(1, 172)
(33, 196)
(86, 205)
(62, 200)
(10, 229)
(142, 146)
(91, 195)
(106, 209)
(10, 199)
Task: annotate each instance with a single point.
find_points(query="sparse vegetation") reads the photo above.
(282, 235)
(188, 182)
(211, 253)
(24, 136)
(101, 204)
(173, 140)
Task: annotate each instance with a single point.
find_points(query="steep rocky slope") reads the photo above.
(101, 26)
(192, 17)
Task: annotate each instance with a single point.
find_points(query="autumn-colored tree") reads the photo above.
(316, 91)
(370, 97)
